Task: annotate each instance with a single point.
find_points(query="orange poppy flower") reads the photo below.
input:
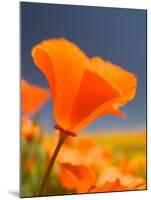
(82, 88)
(29, 164)
(33, 97)
(29, 129)
(76, 177)
(84, 151)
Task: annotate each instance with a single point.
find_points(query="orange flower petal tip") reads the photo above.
(82, 88)
(33, 97)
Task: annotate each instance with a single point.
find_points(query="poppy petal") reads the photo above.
(82, 177)
(63, 64)
(102, 92)
(93, 92)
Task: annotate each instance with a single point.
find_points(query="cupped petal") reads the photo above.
(63, 64)
(104, 88)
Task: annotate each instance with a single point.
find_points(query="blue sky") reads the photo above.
(117, 35)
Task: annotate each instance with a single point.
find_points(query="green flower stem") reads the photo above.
(62, 138)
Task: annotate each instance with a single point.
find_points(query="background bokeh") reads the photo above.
(117, 35)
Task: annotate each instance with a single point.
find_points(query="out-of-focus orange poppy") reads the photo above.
(29, 129)
(77, 177)
(84, 150)
(111, 173)
(73, 176)
(134, 165)
(29, 164)
(33, 97)
(85, 143)
(82, 88)
(130, 166)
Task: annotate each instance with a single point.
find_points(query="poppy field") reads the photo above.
(88, 163)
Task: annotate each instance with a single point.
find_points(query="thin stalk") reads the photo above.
(62, 138)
